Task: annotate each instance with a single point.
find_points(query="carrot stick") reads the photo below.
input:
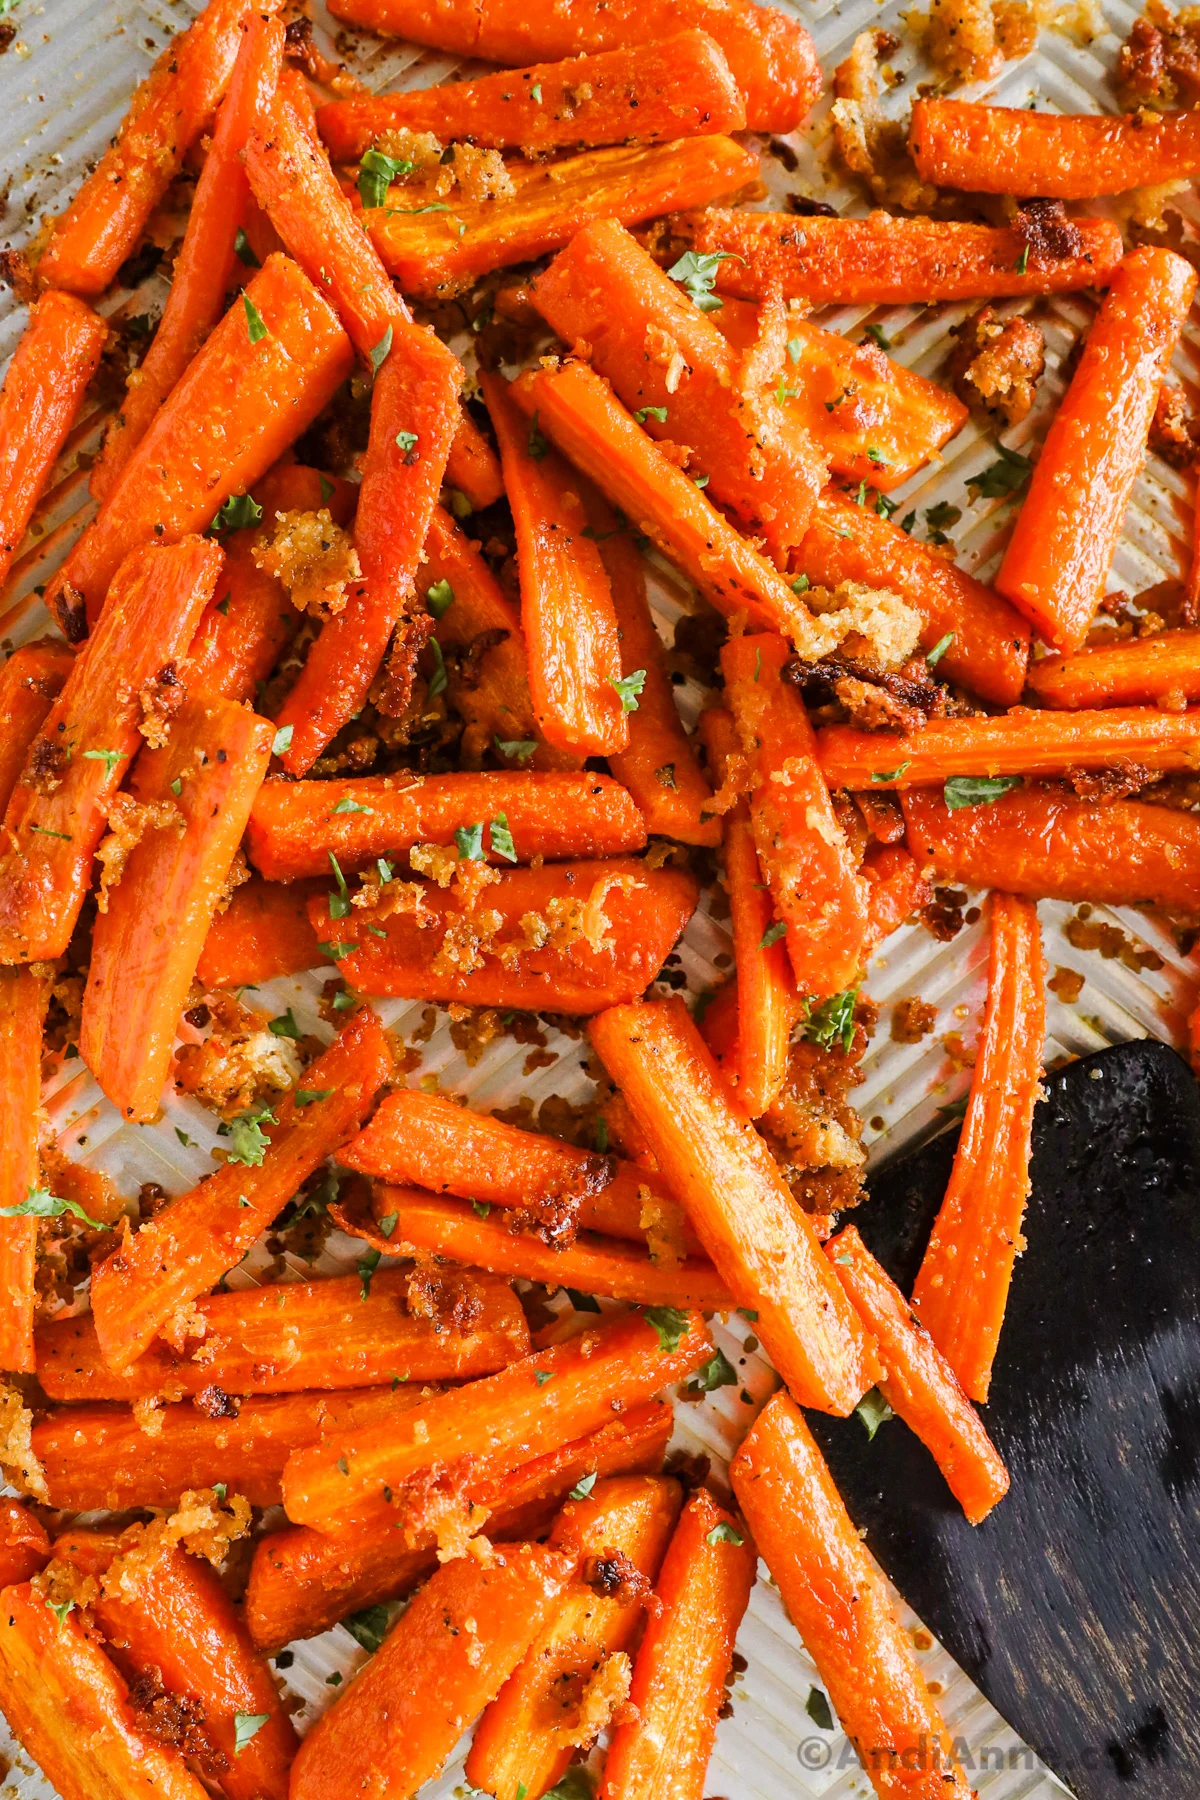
(886, 260)
(739, 1203)
(24, 994)
(483, 957)
(1062, 546)
(679, 1679)
(1159, 670)
(56, 815)
(24, 1545)
(263, 932)
(472, 466)
(989, 640)
(296, 825)
(512, 1415)
(69, 1708)
(44, 386)
(1048, 845)
(190, 1244)
(962, 1286)
(30, 682)
(896, 889)
(1064, 156)
(429, 256)
(809, 867)
(525, 1738)
(838, 1601)
(772, 57)
(920, 1385)
(458, 1642)
(108, 215)
(605, 295)
(205, 267)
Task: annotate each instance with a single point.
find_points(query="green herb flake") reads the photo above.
(772, 934)
(177, 786)
(481, 1208)
(369, 1627)
(801, 584)
(502, 838)
(61, 1610)
(439, 598)
(876, 334)
(335, 951)
(248, 1143)
(542, 1376)
(718, 1372)
(254, 324)
(576, 1784)
(388, 1223)
(519, 749)
(40, 1203)
(438, 680)
(285, 1026)
(651, 412)
(535, 92)
(582, 1488)
(184, 1139)
(696, 273)
(1003, 478)
(236, 514)
(874, 1411)
(245, 1727)
(339, 903)
(628, 688)
(669, 1325)
(818, 1709)
(308, 1096)
(110, 758)
(885, 507)
(1022, 262)
(281, 743)
(939, 650)
(351, 806)
(243, 251)
(45, 831)
(833, 1020)
(794, 348)
(725, 1533)
(536, 443)
(976, 790)
(469, 839)
(376, 174)
(891, 774)
(365, 1268)
(379, 354)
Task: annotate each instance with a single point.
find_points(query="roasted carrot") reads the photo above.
(920, 1385)
(606, 296)
(24, 1545)
(190, 1244)
(888, 260)
(108, 215)
(24, 994)
(962, 1286)
(989, 640)
(272, 363)
(513, 1415)
(292, 1338)
(772, 57)
(736, 1198)
(526, 1738)
(68, 1707)
(838, 1601)
(436, 249)
(1062, 546)
(683, 1666)
(472, 467)
(262, 933)
(1162, 670)
(30, 682)
(1063, 156)
(44, 385)
(451, 1651)
(1045, 843)
(607, 928)
(896, 889)
(55, 817)
(205, 266)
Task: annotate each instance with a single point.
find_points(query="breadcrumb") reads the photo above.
(313, 558)
(128, 822)
(872, 624)
(16, 1444)
(996, 364)
(871, 145)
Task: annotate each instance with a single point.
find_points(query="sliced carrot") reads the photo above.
(962, 1286)
(1065, 537)
(661, 1751)
(1160, 670)
(472, 466)
(1064, 156)
(838, 1601)
(896, 889)
(194, 1240)
(24, 994)
(55, 817)
(24, 1545)
(738, 1201)
(30, 682)
(263, 932)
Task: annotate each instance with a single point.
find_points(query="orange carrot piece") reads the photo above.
(55, 817)
(194, 1240)
(1062, 546)
(1065, 156)
(431, 258)
(891, 261)
(24, 994)
(772, 56)
(1159, 670)
(228, 418)
(518, 1743)
(67, 1705)
(989, 640)
(679, 1679)
(44, 386)
(30, 682)
(513, 1415)
(205, 267)
(838, 1601)
(263, 932)
(458, 1642)
(962, 1286)
(171, 108)
(920, 1385)
(472, 466)
(646, 909)
(739, 1203)
(24, 1545)
(295, 825)
(896, 889)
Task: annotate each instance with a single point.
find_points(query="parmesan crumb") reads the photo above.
(313, 558)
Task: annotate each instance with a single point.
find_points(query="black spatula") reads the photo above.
(1076, 1605)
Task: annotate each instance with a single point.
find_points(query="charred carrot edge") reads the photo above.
(516, 1743)
(107, 216)
(24, 1544)
(891, 261)
(88, 739)
(30, 682)
(1062, 546)
(1065, 156)
(684, 1663)
(743, 1211)
(472, 466)
(205, 266)
(431, 258)
(252, 398)
(920, 1385)
(44, 385)
(896, 889)
(23, 998)
(513, 1414)
(1142, 672)
(606, 296)
(962, 1286)
(838, 1601)
(184, 1251)
(453, 1648)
